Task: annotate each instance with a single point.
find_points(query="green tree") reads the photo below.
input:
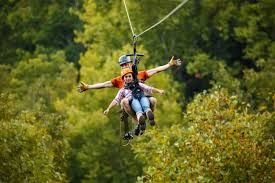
(25, 25)
(222, 135)
(5, 77)
(259, 86)
(33, 135)
(41, 80)
(218, 140)
(32, 144)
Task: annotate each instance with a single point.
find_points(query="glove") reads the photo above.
(82, 87)
(174, 62)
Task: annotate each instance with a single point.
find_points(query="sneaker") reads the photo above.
(141, 121)
(137, 130)
(128, 136)
(142, 131)
(150, 117)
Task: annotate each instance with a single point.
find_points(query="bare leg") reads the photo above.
(153, 103)
(124, 120)
(127, 108)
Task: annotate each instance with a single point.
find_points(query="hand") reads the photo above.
(174, 62)
(106, 111)
(82, 87)
(162, 92)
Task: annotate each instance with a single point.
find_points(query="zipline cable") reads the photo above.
(129, 18)
(160, 21)
(164, 18)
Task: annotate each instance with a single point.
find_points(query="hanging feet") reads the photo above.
(137, 130)
(141, 121)
(150, 117)
(128, 136)
(140, 128)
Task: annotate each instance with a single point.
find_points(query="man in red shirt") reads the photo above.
(117, 82)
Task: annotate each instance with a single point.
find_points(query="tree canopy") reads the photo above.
(215, 123)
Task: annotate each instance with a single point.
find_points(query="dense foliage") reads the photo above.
(215, 123)
(218, 141)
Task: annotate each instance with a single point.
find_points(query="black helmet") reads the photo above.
(124, 59)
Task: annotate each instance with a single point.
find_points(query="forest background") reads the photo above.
(216, 123)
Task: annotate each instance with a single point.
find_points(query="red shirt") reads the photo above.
(119, 83)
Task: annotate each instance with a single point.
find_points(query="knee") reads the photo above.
(124, 102)
(125, 105)
(153, 101)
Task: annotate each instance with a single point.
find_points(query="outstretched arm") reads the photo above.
(116, 101)
(112, 104)
(155, 90)
(172, 62)
(150, 89)
(83, 86)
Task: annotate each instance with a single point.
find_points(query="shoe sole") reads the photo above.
(137, 130)
(152, 123)
(151, 118)
(150, 115)
(142, 123)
